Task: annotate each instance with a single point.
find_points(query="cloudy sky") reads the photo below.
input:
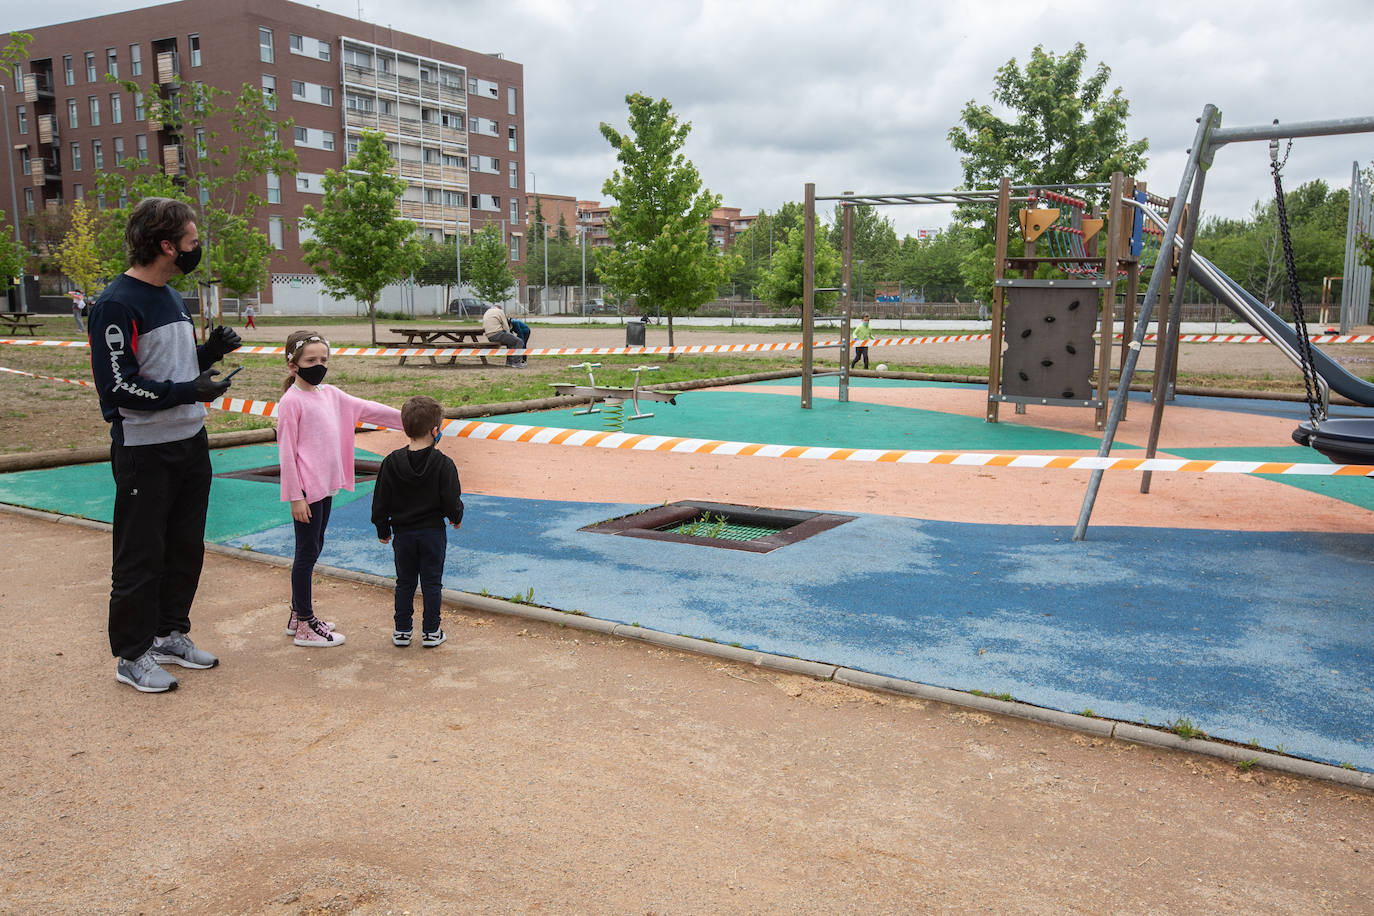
(861, 95)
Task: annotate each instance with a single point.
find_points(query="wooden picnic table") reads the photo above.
(471, 336)
(20, 321)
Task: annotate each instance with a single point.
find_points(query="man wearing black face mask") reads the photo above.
(152, 378)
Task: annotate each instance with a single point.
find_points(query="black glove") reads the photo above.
(208, 387)
(222, 340)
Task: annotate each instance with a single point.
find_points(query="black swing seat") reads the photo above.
(1344, 441)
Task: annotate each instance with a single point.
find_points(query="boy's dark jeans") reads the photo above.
(419, 557)
(309, 543)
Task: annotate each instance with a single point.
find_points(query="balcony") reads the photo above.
(171, 159)
(41, 171)
(168, 66)
(361, 76)
(37, 87)
(47, 129)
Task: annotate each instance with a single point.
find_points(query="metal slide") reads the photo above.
(1263, 319)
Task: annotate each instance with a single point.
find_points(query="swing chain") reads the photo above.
(1316, 411)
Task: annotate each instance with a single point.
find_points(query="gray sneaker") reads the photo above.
(144, 675)
(177, 649)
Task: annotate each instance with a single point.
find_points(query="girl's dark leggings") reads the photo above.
(309, 543)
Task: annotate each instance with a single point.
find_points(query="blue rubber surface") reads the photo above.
(1249, 636)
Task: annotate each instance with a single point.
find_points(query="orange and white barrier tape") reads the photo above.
(548, 435)
(585, 438)
(48, 378)
(774, 347)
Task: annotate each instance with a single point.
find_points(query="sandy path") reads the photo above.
(525, 768)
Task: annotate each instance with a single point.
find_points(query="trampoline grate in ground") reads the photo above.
(748, 528)
(363, 471)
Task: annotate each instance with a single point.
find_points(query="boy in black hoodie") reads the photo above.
(417, 489)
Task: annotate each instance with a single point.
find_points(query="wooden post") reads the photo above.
(1108, 325)
(846, 291)
(999, 270)
(808, 290)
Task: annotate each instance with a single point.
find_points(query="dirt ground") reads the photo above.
(524, 768)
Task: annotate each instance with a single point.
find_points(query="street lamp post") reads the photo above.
(14, 194)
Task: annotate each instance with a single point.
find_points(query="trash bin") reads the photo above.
(634, 332)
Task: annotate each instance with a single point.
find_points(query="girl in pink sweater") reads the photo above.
(315, 424)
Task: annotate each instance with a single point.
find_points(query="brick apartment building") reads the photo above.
(725, 222)
(453, 118)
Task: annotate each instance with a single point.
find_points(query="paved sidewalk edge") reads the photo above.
(1106, 728)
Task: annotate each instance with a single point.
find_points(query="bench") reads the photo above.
(19, 321)
(467, 337)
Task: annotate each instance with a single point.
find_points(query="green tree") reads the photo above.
(227, 145)
(78, 255)
(875, 242)
(12, 255)
(486, 267)
(1065, 129)
(661, 250)
(932, 265)
(360, 242)
(782, 285)
(16, 50)
(438, 264)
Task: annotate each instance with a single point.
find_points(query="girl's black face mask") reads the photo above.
(312, 375)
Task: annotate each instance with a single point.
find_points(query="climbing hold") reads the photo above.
(1025, 333)
(1073, 305)
(1067, 394)
(1024, 376)
(1070, 348)
(1047, 363)
(1049, 319)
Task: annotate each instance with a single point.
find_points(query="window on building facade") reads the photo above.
(135, 60)
(138, 107)
(71, 113)
(326, 95)
(302, 183)
(202, 151)
(327, 139)
(455, 162)
(274, 232)
(273, 188)
(118, 150)
(78, 192)
(357, 57)
(510, 100)
(265, 46)
(76, 156)
(297, 43)
(28, 200)
(355, 102)
(302, 136)
(269, 91)
(322, 50)
(112, 62)
(18, 78)
(455, 199)
(514, 174)
(90, 66)
(141, 145)
(95, 111)
(25, 165)
(512, 141)
(193, 41)
(515, 247)
(297, 89)
(514, 210)
(68, 73)
(23, 114)
(116, 109)
(97, 155)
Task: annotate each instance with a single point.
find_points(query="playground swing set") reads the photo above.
(1048, 333)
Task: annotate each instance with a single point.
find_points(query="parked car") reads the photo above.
(597, 305)
(467, 306)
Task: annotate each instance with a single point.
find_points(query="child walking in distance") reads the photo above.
(417, 489)
(315, 424)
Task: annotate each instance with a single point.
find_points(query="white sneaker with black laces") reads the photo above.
(430, 640)
(401, 637)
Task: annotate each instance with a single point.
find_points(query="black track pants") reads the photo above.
(161, 495)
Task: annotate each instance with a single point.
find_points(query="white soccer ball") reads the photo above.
(882, 367)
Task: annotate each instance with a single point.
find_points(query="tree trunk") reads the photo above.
(671, 356)
(372, 318)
